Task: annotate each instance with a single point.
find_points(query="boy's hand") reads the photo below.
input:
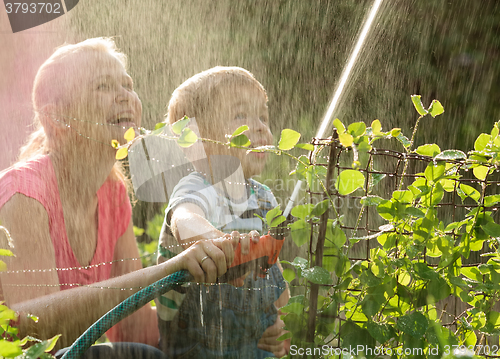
(244, 239)
(235, 237)
(269, 342)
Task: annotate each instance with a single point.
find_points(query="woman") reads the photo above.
(65, 205)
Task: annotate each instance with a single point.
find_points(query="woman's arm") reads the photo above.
(71, 312)
(141, 326)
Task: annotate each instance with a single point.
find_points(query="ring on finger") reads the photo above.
(203, 259)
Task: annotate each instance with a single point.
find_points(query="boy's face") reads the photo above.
(245, 105)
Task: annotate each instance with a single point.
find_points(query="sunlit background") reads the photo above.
(448, 50)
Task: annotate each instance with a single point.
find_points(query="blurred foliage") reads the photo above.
(444, 49)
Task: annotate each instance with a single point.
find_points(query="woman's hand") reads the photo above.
(207, 260)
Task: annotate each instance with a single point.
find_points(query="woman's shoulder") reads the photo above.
(33, 178)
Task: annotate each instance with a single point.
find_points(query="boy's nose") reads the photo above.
(257, 125)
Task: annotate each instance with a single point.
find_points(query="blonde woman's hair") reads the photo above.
(49, 88)
(201, 95)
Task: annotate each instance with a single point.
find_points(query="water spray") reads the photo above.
(340, 89)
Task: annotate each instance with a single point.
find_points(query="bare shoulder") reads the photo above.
(27, 222)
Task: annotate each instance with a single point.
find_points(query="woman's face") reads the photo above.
(103, 104)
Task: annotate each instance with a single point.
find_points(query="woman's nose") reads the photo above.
(123, 95)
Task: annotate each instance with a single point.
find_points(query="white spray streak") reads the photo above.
(340, 88)
(348, 68)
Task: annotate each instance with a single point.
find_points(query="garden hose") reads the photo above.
(124, 309)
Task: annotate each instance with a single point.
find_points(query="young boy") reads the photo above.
(220, 199)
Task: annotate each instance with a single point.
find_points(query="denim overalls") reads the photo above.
(222, 321)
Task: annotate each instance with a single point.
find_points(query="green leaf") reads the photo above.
(349, 180)
(404, 140)
(317, 275)
(376, 127)
(129, 134)
(376, 178)
(346, 140)
(417, 102)
(159, 128)
(9, 349)
(493, 319)
(277, 221)
(468, 191)
(437, 289)
(436, 109)
(482, 141)
(491, 200)
(52, 343)
(240, 130)
(371, 200)
(414, 212)
(240, 141)
(339, 126)
(414, 324)
(403, 196)
(387, 210)
(492, 229)
(121, 153)
(273, 213)
(494, 131)
(138, 231)
(352, 336)
(296, 308)
(160, 125)
(430, 150)
(289, 139)
(305, 146)
(424, 272)
(451, 155)
(302, 211)
(357, 129)
(395, 132)
(434, 172)
(370, 306)
(480, 172)
(381, 332)
(472, 273)
(187, 138)
(288, 274)
(300, 264)
(301, 232)
(320, 208)
(335, 234)
(179, 126)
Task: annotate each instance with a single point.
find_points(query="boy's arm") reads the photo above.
(269, 341)
(188, 224)
(285, 296)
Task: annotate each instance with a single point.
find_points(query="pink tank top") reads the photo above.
(36, 179)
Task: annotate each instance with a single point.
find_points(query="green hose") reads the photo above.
(124, 309)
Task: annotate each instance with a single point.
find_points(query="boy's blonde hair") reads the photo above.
(50, 87)
(201, 95)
